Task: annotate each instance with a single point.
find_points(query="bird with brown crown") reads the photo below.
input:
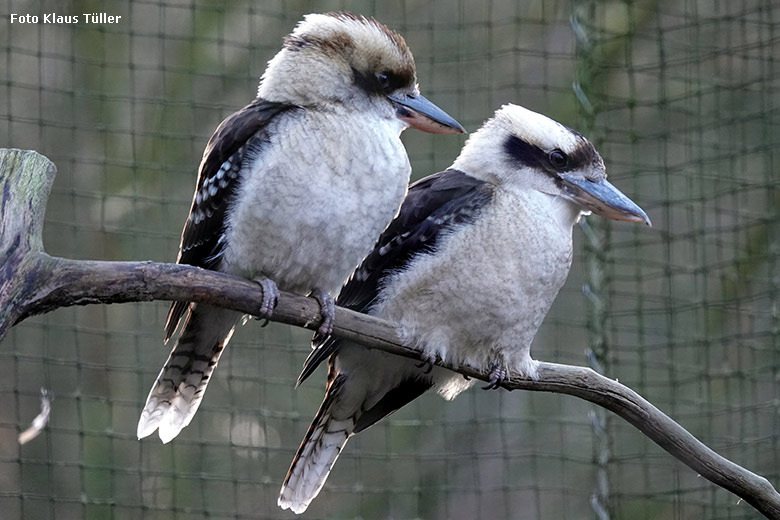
(294, 188)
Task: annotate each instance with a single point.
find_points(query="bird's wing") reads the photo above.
(217, 183)
(399, 396)
(432, 206)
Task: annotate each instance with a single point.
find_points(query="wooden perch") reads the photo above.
(32, 282)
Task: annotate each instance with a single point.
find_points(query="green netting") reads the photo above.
(681, 99)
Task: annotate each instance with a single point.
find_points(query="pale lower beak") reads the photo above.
(423, 115)
(602, 198)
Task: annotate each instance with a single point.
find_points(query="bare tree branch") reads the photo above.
(32, 282)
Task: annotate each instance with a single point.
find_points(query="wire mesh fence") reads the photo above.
(680, 98)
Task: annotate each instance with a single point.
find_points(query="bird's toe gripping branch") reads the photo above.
(428, 362)
(270, 300)
(498, 374)
(327, 311)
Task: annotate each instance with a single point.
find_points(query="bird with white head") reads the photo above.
(467, 271)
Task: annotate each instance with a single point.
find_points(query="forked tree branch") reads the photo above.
(32, 282)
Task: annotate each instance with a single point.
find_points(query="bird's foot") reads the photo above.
(498, 374)
(327, 311)
(270, 299)
(428, 362)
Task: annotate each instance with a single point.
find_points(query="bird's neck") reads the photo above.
(566, 212)
(550, 207)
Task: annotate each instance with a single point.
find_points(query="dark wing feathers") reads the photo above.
(400, 396)
(432, 206)
(217, 183)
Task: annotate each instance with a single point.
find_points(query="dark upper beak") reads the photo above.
(423, 115)
(602, 198)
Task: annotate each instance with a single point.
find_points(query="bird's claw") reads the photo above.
(498, 374)
(327, 311)
(428, 361)
(270, 299)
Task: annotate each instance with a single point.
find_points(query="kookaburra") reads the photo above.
(294, 188)
(467, 271)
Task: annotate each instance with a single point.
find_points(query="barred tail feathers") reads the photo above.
(177, 393)
(317, 454)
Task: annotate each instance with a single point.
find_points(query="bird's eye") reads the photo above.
(558, 159)
(384, 80)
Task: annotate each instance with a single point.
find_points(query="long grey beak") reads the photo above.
(604, 199)
(423, 115)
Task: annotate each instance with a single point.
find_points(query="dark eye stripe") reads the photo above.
(525, 153)
(534, 157)
(380, 83)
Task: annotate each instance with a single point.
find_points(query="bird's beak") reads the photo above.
(423, 115)
(602, 198)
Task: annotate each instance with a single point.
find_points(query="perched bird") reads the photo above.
(294, 188)
(467, 271)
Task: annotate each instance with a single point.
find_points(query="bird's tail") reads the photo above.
(317, 454)
(177, 393)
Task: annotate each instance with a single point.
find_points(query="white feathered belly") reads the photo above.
(316, 200)
(482, 297)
